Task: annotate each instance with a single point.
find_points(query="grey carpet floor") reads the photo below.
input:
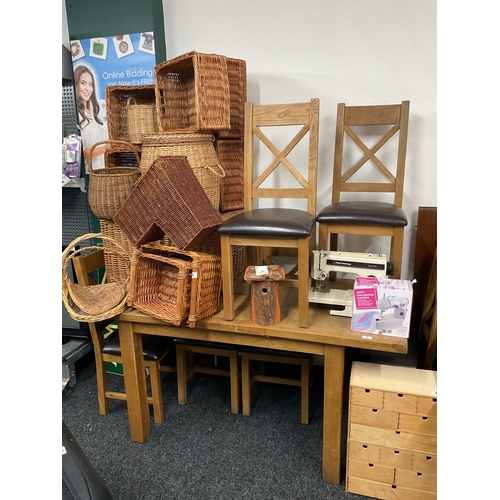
(201, 451)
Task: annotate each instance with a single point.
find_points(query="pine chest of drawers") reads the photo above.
(392, 432)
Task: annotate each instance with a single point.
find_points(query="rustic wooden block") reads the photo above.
(265, 293)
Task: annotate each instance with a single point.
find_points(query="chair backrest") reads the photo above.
(257, 119)
(389, 120)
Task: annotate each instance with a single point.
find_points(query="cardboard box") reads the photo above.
(382, 306)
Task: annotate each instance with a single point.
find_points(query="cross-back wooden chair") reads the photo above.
(276, 227)
(108, 349)
(368, 217)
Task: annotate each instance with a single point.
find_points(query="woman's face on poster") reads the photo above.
(85, 86)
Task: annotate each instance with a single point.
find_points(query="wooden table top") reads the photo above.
(324, 329)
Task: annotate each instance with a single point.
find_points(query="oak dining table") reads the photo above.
(327, 336)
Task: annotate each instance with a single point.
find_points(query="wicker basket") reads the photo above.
(192, 93)
(117, 98)
(142, 120)
(237, 77)
(230, 153)
(97, 302)
(109, 187)
(173, 285)
(168, 200)
(198, 148)
(117, 269)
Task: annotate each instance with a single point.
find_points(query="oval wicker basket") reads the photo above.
(198, 148)
(96, 302)
(109, 187)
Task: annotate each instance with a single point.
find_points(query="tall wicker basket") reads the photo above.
(109, 187)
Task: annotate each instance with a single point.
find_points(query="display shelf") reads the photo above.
(76, 183)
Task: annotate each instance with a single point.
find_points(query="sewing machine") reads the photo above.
(361, 264)
(388, 322)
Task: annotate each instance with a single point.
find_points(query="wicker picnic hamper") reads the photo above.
(117, 99)
(142, 120)
(109, 187)
(192, 93)
(179, 287)
(168, 200)
(198, 148)
(96, 302)
(230, 153)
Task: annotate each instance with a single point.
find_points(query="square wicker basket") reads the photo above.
(192, 93)
(117, 99)
(179, 287)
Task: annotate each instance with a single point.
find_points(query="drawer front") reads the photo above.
(427, 406)
(373, 417)
(386, 491)
(399, 459)
(423, 462)
(393, 439)
(366, 397)
(374, 472)
(417, 480)
(418, 424)
(363, 452)
(399, 402)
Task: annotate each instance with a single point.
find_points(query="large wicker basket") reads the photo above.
(96, 302)
(175, 286)
(109, 187)
(198, 148)
(192, 93)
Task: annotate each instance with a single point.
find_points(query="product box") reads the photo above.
(382, 306)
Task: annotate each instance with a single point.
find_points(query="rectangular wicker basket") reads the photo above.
(237, 77)
(179, 287)
(230, 153)
(192, 93)
(168, 200)
(117, 97)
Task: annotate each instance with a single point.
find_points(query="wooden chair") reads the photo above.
(276, 227)
(108, 350)
(428, 324)
(188, 365)
(368, 216)
(253, 369)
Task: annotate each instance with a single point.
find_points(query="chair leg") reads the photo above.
(304, 280)
(102, 387)
(397, 251)
(245, 384)
(181, 375)
(154, 376)
(234, 380)
(227, 277)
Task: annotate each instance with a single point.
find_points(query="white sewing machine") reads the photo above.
(361, 264)
(388, 322)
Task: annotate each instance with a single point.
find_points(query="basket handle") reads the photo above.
(125, 143)
(131, 100)
(218, 171)
(66, 257)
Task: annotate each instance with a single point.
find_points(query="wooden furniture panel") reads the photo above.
(399, 438)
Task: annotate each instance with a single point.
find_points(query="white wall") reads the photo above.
(356, 51)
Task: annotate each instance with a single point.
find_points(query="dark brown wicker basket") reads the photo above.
(230, 153)
(168, 200)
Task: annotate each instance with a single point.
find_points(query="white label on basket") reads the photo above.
(259, 270)
(194, 275)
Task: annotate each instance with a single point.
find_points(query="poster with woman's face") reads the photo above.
(120, 60)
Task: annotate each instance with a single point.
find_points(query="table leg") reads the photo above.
(332, 412)
(135, 382)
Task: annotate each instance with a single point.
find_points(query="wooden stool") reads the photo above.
(265, 293)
